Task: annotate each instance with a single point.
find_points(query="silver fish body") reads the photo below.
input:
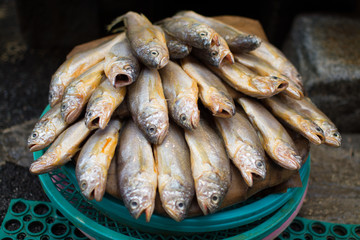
(102, 103)
(177, 49)
(181, 92)
(175, 182)
(275, 139)
(75, 65)
(121, 66)
(210, 166)
(212, 92)
(78, 92)
(94, 161)
(49, 126)
(147, 105)
(136, 171)
(63, 148)
(243, 146)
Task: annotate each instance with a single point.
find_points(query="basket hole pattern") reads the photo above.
(340, 230)
(59, 229)
(45, 237)
(36, 227)
(12, 225)
(27, 218)
(41, 209)
(318, 228)
(297, 226)
(19, 207)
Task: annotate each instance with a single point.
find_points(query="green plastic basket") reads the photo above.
(109, 219)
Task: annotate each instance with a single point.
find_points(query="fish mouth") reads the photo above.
(95, 192)
(223, 109)
(35, 147)
(315, 135)
(293, 91)
(269, 85)
(174, 215)
(148, 213)
(286, 156)
(119, 78)
(332, 141)
(43, 165)
(252, 174)
(228, 56)
(163, 62)
(215, 40)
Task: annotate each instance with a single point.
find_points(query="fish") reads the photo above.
(246, 81)
(136, 171)
(210, 166)
(294, 120)
(308, 109)
(237, 40)
(65, 146)
(147, 105)
(276, 141)
(78, 92)
(76, 65)
(181, 93)
(263, 68)
(190, 30)
(216, 54)
(243, 145)
(102, 103)
(177, 49)
(212, 92)
(147, 40)
(121, 66)
(94, 160)
(46, 129)
(175, 182)
(278, 60)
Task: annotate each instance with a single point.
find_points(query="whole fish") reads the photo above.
(237, 40)
(277, 59)
(102, 103)
(292, 118)
(177, 49)
(136, 171)
(175, 182)
(49, 126)
(275, 139)
(147, 105)
(78, 92)
(215, 54)
(147, 40)
(181, 92)
(121, 66)
(212, 92)
(190, 30)
(265, 69)
(210, 166)
(94, 161)
(76, 65)
(308, 109)
(243, 146)
(63, 148)
(246, 81)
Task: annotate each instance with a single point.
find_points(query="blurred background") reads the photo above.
(36, 35)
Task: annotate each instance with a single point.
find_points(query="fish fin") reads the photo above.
(115, 22)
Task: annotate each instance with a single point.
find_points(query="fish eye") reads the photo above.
(154, 53)
(214, 53)
(50, 96)
(128, 67)
(89, 114)
(134, 204)
(215, 199)
(318, 129)
(335, 134)
(83, 185)
(183, 117)
(34, 134)
(298, 75)
(151, 129)
(203, 34)
(275, 77)
(259, 164)
(180, 205)
(63, 107)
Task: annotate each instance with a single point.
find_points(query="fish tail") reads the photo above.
(115, 22)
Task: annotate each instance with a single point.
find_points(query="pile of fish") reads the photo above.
(133, 97)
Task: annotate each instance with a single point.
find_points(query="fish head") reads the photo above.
(98, 114)
(176, 199)
(204, 35)
(92, 183)
(332, 135)
(187, 112)
(286, 155)
(313, 132)
(123, 72)
(222, 104)
(154, 122)
(251, 161)
(210, 191)
(140, 199)
(178, 49)
(269, 85)
(70, 109)
(55, 94)
(247, 43)
(42, 135)
(154, 56)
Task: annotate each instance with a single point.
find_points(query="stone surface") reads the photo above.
(326, 51)
(334, 186)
